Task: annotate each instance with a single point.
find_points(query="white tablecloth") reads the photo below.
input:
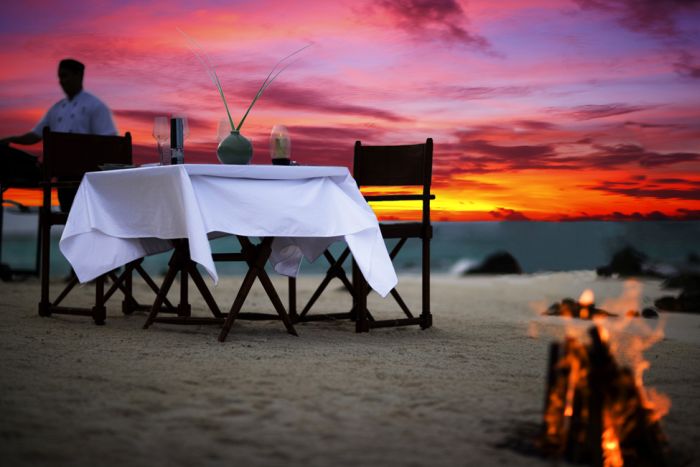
(122, 215)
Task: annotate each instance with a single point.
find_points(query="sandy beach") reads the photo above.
(76, 394)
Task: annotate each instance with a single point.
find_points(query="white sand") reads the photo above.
(75, 394)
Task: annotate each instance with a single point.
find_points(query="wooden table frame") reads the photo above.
(254, 255)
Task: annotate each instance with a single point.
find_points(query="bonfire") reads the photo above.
(597, 410)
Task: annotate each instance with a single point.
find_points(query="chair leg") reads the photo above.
(45, 230)
(292, 287)
(164, 288)
(129, 305)
(184, 308)
(99, 311)
(426, 317)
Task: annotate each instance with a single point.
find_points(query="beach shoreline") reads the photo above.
(72, 393)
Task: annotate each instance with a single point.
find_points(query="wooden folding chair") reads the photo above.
(67, 156)
(404, 168)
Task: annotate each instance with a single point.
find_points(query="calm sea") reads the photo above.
(538, 246)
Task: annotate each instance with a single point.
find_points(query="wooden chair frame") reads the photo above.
(384, 166)
(67, 156)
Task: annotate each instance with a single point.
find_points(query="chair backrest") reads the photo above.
(400, 166)
(69, 155)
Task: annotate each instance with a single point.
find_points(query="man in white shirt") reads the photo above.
(79, 112)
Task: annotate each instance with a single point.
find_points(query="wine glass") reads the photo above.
(280, 145)
(161, 132)
(223, 129)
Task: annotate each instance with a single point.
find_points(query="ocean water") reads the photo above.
(538, 246)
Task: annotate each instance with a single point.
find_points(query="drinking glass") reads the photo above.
(223, 129)
(161, 132)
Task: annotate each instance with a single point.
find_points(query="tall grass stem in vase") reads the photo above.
(236, 148)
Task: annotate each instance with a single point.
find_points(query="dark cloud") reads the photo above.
(510, 153)
(508, 215)
(680, 215)
(688, 70)
(689, 214)
(433, 19)
(621, 154)
(655, 159)
(305, 99)
(616, 155)
(657, 17)
(649, 216)
(475, 152)
(142, 116)
(651, 125)
(687, 66)
(476, 92)
(347, 135)
(673, 181)
(590, 112)
(536, 125)
(518, 157)
(649, 191)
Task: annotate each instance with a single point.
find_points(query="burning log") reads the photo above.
(585, 308)
(595, 410)
(570, 308)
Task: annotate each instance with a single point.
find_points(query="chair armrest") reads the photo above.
(60, 184)
(398, 197)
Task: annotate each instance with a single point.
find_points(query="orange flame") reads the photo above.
(612, 455)
(587, 298)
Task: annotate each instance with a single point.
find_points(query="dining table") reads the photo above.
(296, 212)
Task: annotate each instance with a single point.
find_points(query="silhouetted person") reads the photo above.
(79, 112)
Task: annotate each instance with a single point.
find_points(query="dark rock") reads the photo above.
(605, 271)
(626, 262)
(689, 300)
(667, 303)
(500, 262)
(650, 313)
(5, 273)
(689, 281)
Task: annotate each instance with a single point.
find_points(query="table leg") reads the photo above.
(256, 257)
(237, 303)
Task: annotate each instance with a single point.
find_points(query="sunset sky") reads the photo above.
(539, 109)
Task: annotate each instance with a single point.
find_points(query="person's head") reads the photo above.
(70, 76)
